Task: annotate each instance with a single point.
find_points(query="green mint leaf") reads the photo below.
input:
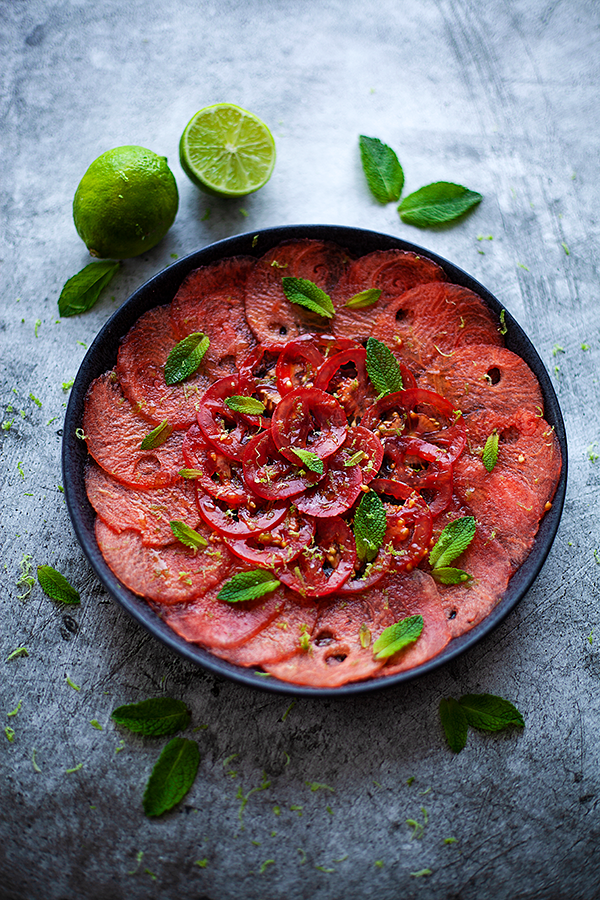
(454, 540)
(382, 368)
(157, 716)
(187, 535)
(382, 170)
(248, 405)
(489, 456)
(185, 357)
(454, 723)
(447, 575)
(437, 204)
(82, 290)
(172, 776)
(398, 636)
(370, 524)
(248, 586)
(490, 713)
(363, 299)
(56, 586)
(310, 460)
(306, 293)
(157, 436)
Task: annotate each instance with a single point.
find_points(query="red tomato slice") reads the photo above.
(366, 575)
(276, 546)
(243, 521)
(338, 489)
(297, 365)
(229, 432)
(308, 419)
(217, 475)
(361, 440)
(345, 376)
(409, 525)
(325, 564)
(269, 474)
(422, 467)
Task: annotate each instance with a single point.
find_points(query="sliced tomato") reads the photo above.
(325, 564)
(409, 524)
(242, 521)
(345, 376)
(418, 413)
(420, 466)
(228, 431)
(337, 491)
(269, 474)
(298, 365)
(364, 449)
(366, 575)
(308, 419)
(276, 546)
(218, 475)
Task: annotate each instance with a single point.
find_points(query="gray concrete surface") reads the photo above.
(502, 97)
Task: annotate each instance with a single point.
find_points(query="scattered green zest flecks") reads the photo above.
(565, 248)
(557, 349)
(382, 169)
(74, 769)
(306, 293)
(201, 862)
(36, 768)
(248, 586)
(437, 204)
(72, 684)
(157, 437)
(382, 368)
(35, 399)
(26, 579)
(288, 711)
(398, 636)
(56, 586)
(489, 456)
(38, 322)
(10, 733)
(82, 291)
(185, 357)
(172, 776)
(244, 798)
(316, 786)
(503, 326)
(370, 524)
(15, 711)
(20, 651)
(267, 862)
(20, 468)
(67, 385)
(421, 873)
(96, 724)
(157, 716)
(187, 535)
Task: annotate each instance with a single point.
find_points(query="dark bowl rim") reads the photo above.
(160, 289)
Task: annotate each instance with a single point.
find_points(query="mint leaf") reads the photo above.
(382, 368)
(56, 586)
(447, 575)
(370, 524)
(454, 540)
(398, 636)
(454, 723)
(306, 293)
(363, 299)
(157, 436)
(81, 291)
(437, 204)
(185, 357)
(248, 586)
(157, 716)
(382, 170)
(490, 713)
(489, 457)
(172, 776)
(248, 405)
(310, 460)
(187, 535)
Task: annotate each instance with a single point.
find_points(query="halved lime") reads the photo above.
(227, 150)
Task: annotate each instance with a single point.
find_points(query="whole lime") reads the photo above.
(125, 203)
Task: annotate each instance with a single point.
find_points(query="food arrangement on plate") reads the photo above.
(291, 460)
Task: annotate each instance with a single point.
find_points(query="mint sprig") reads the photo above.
(310, 460)
(437, 204)
(307, 294)
(157, 716)
(382, 170)
(82, 291)
(187, 535)
(56, 586)
(248, 586)
(364, 299)
(172, 776)
(370, 524)
(485, 712)
(489, 457)
(454, 540)
(157, 436)
(382, 368)
(248, 405)
(185, 357)
(398, 636)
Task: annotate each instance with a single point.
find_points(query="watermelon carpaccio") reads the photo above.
(259, 504)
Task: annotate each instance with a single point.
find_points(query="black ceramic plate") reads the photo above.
(161, 289)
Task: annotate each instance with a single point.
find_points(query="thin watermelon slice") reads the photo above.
(147, 511)
(114, 432)
(273, 319)
(391, 271)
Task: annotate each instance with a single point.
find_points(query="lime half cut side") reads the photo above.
(227, 150)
